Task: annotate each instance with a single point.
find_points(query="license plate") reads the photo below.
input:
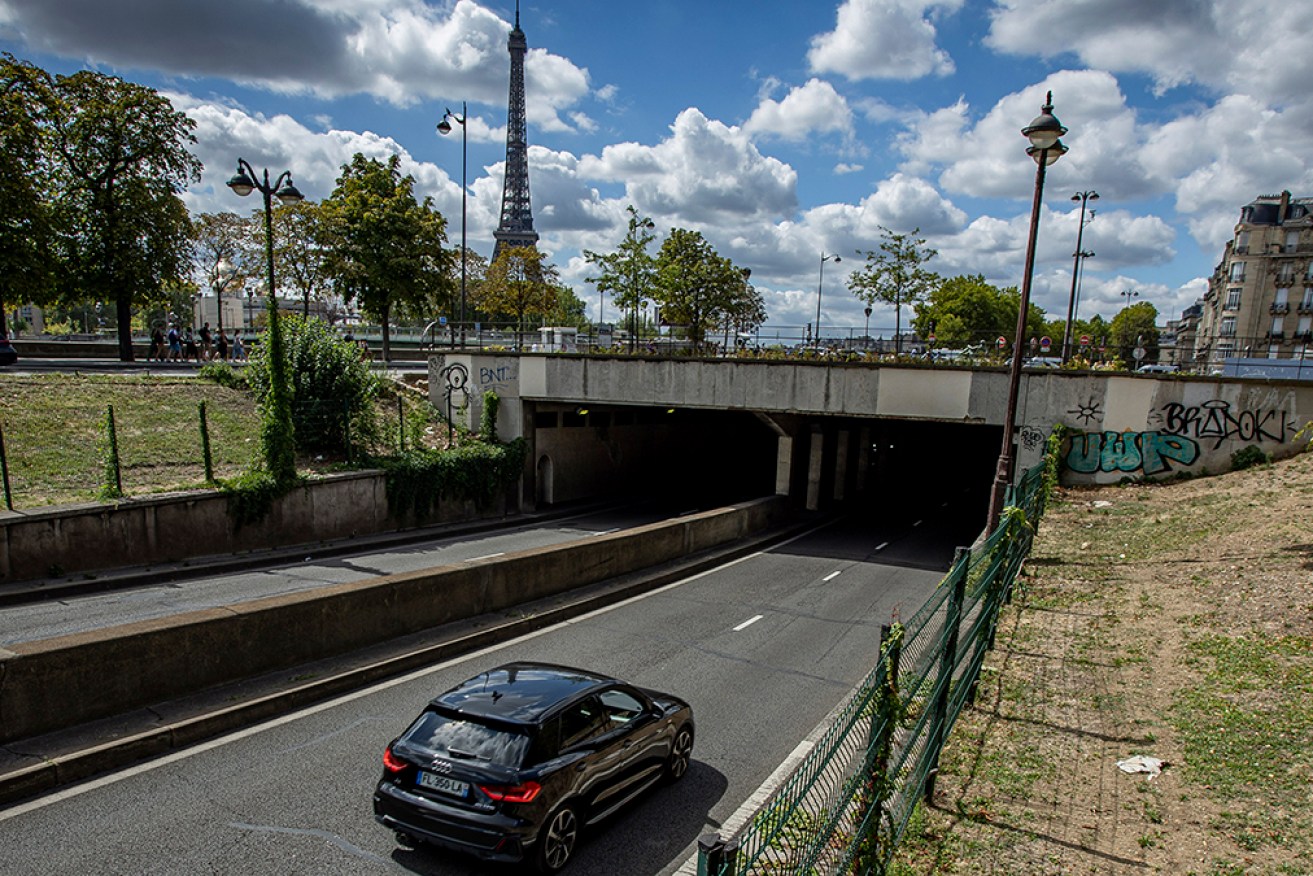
(444, 784)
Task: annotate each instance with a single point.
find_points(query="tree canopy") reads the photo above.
(385, 248)
(695, 286)
(627, 274)
(895, 275)
(26, 229)
(519, 283)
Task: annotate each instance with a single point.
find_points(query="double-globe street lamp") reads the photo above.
(444, 128)
(1078, 255)
(1044, 133)
(820, 282)
(277, 431)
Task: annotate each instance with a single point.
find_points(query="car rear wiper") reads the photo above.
(464, 755)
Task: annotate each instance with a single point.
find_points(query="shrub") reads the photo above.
(1248, 457)
(223, 374)
(331, 387)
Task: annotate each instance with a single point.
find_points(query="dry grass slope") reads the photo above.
(1174, 621)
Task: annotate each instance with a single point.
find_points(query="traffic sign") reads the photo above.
(1084, 340)
(1002, 342)
(1045, 342)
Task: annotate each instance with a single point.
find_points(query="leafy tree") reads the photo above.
(965, 310)
(1135, 326)
(629, 272)
(746, 311)
(220, 254)
(895, 275)
(300, 237)
(26, 229)
(385, 249)
(570, 309)
(519, 283)
(695, 287)
(121, 159)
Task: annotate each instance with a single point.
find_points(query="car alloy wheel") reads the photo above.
(680, 753)
(556, 844)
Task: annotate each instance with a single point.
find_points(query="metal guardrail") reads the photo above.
(845, 807)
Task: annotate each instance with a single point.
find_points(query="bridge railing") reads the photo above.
(847, 804)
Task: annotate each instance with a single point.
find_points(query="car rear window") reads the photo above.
(459, 739)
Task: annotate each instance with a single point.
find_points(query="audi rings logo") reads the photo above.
(441, 766)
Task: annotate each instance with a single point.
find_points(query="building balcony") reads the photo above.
(1305, 307)
(1279, 309)
(1276, 336)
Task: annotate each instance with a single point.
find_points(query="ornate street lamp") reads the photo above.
(1044, 133)
(636, 223)
(1078, 255)
(444, 128)
(276, 431)
(819, 283)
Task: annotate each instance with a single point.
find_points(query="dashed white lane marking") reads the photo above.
(882, 545)
(747, 623)
(832, 576)
(486, 557)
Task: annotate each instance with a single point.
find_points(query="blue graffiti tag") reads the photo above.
(1148, 452)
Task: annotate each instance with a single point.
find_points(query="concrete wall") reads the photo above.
(76, 539)
(1125, 425)
(59, 682)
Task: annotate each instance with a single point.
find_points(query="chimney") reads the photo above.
(1284, 209)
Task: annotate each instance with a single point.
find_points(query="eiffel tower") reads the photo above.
(516, 226)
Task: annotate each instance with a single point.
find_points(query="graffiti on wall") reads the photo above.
(501, 375)
(455, 387)
(1176, 443)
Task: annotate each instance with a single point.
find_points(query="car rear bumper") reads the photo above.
(489, 837)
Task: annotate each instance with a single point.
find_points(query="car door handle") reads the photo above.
(580, 767)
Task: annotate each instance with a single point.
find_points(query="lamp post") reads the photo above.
(866, 338)
(819, 284)
(276, 430)
(1128, 294)
(444, 128)
(635, 244)
(1079, 254)
(1044, 133)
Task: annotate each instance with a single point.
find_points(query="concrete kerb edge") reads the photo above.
(67, 769)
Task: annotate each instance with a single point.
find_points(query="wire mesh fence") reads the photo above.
(845, 807)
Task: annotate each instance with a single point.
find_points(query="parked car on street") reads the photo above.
(512, 764)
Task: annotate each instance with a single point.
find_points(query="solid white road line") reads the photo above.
(486, 557)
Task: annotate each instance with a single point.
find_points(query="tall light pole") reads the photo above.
(1044, 133)
(819, 284)
(636, 245)
(1128, 294)
(276, 430)
(444, 128)
(1079, 254)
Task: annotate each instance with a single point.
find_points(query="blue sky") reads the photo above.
(780, 130)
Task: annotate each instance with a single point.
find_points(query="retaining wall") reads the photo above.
(59, 682)
(77, 539)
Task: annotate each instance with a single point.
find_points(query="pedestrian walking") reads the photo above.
(207, 342)
(190, 353)
(175, 344)
(221, 346)
(239, 349)
(156, 350)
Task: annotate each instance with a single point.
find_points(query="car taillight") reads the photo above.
(512, 793)
(391, 762)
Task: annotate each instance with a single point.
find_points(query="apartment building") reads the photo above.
(1259, 301)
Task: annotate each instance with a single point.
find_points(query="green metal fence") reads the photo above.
(846, 806)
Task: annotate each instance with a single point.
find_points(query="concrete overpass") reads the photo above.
(825, 432)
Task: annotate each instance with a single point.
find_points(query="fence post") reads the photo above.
(716, 856)
(4, 470)
(113, 487)
(947, 663)
(885, 708)
(205, 444)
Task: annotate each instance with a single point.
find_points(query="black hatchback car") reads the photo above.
(512, 764)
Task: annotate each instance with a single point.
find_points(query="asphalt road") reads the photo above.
(763, 647)
(173, 593)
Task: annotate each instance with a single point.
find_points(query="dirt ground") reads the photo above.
(1173, 621)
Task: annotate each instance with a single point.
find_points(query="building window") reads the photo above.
(1274, 352)
(1307, 302)
(1232, 299)
(1228, 327)
(1286, 274)
(1242, 242)
(1292, 241)
(1237, 272)
(1276, 326)
(1305, 327)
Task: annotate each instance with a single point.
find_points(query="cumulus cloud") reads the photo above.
(884, 39)
(705, 172)
(1227, 45)
(399, 51)
(805, 111)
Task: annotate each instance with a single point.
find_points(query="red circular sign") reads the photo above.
(1002, 341)
(1084, 340)
(1045, 342)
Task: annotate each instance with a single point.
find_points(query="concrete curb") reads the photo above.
(69, 767)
